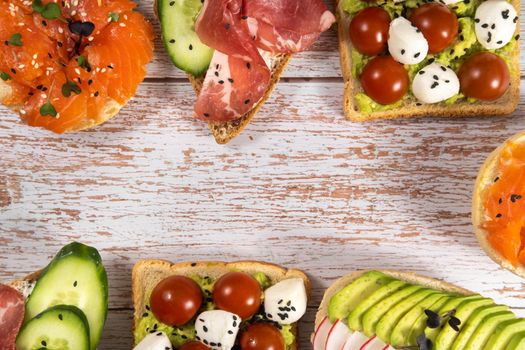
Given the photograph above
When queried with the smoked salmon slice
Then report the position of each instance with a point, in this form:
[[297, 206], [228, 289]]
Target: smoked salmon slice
[[72, 64], [505, 205]]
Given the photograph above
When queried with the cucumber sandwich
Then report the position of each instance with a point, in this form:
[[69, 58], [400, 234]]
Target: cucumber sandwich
[[66, 303], [217, 305], [395, 310]]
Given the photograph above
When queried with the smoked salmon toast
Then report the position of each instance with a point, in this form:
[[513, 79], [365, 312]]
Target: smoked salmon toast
[[498, 206], [73, 64]]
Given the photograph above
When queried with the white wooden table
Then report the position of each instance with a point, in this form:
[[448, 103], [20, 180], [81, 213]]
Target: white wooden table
[[301, 187]]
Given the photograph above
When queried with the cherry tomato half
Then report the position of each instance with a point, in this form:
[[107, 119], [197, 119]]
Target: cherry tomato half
[[194, 345], [237, 292], [176, 300], [262, 336], [384, 80], [438, 24], [484, 76], [369, 30]]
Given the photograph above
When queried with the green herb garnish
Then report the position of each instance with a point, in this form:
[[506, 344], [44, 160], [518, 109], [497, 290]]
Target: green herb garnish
[[15, 39], [114, 16], [83, 62], [49, 11], [70, 87], [48, 109], [4, 76]]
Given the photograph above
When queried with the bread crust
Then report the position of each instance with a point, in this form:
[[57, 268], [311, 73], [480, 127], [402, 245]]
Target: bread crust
[[485, 178], [146, 274], [503, 106], [409, 277], [225, 132], [110, 109]]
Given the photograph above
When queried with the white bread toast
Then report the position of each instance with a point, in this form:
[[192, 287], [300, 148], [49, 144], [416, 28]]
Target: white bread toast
[[485, 178], [25, 285], [410, 108], [147, 274], [225, 132], [110, 109], [409, 277]]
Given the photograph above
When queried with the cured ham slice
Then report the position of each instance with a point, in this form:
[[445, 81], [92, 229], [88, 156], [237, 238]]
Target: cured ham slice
[[11, 316], [239, 31]]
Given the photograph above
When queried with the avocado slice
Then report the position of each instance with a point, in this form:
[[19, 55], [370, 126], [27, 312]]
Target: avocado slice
[[401, 332], [389, 320], [517, 342], [76, 277], [418, 327], [374, 314], [486, 328], [504, 333], [344, 301], [452, 304], [473, 323], [448, 335], [355, 319]]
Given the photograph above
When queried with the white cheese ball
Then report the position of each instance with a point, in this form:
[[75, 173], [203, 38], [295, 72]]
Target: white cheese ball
[[435, 83], [496, 22], [406, 43], [285, 302], [217, 329]]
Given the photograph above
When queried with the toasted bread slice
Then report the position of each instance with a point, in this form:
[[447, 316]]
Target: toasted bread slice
[[409, 277], [486, 176], [110, 109], [225, 132], [147, 274], [25, 285], [410, 108]]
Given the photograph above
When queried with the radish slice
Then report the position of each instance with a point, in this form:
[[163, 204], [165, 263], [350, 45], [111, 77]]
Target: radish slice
[[374, 343], [337, 336], [321, 334], [356, 341]]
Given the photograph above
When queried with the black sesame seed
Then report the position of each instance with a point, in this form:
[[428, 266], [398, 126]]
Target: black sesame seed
[[96, 94], [421, 72], [498, 215], [515, 19], [44, 23], [227, 26], [435, 77], [500, 200], [417, 55], [418, 104], [493, 26], [216, 74], [205, 329], [59, 43], [206, 115], [191, 47], [517, 37], [145, 314], [172, 41], [247, 101], [496, 179], [244, 17], [434, 85], [452, 51], [443, 68], [43, 342], [499, 42], [477, 20], [447, 81], [13, 70], [248, 65], [75, 284], [60, 317], [461, 37], [230, 80], [110, 66], [172, 3], [193, 264], [402, 51], [90, 82], [485, 25], [221, 81]]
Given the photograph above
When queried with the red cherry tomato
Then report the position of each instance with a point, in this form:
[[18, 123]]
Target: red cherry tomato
[[176, 300], [262, 336], [384, 80], [369, 30], [438, 24], [484, 76], [237, 292], [194, 345]]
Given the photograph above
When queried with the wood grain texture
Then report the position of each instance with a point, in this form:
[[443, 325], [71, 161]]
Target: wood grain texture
[[301, 187]]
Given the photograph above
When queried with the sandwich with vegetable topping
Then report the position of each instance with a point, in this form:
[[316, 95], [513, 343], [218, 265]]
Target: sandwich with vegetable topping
[[217, 306], [387, 310], [417, 57]]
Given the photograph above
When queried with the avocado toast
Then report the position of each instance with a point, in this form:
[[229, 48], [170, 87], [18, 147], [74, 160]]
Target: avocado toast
[[148, 275], [397, 310], [359, 106]]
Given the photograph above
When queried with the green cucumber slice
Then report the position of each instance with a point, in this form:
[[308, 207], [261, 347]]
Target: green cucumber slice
[[74, 277], [60, 327], [177, 21]]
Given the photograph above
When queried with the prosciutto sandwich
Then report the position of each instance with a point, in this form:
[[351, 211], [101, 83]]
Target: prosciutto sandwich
[[235, 51]]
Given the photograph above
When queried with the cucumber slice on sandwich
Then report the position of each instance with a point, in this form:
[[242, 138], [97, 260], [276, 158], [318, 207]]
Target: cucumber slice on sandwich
[[74, 277], [177, 20], [60, 327]]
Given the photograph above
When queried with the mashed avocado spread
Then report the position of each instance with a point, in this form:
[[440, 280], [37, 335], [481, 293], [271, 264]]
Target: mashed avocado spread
[[181, 335], [465, 45]]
